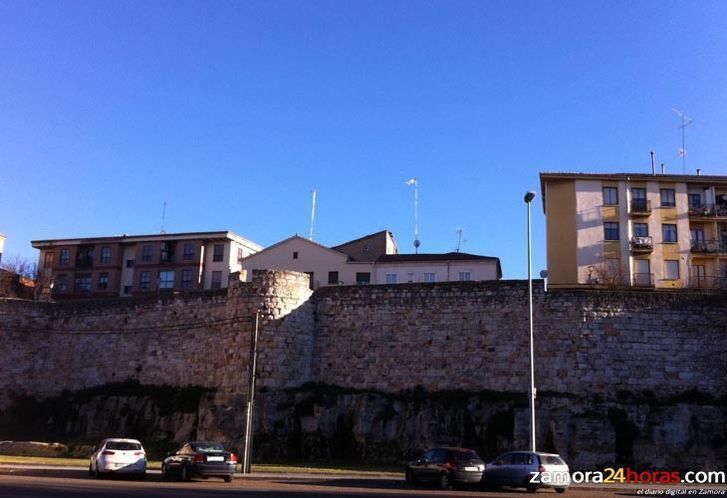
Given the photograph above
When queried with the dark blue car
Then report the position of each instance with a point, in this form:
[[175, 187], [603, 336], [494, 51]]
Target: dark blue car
[[200, 459]]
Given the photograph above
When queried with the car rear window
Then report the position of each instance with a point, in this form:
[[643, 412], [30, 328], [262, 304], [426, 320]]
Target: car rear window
[[122, 446], [207, 447], [465, 455], [551, 460]]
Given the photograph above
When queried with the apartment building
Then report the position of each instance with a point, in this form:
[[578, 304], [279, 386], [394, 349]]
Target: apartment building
[[140, 264], [639, 230], [372, 259]]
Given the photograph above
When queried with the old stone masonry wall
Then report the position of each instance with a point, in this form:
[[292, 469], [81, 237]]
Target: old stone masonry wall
[[375, 372], [474, 336]]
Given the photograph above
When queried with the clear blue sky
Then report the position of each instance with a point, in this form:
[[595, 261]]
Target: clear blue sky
[[233, 111]]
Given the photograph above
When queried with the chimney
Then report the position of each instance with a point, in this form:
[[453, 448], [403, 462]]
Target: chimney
[[653, 165], [699, 171], [663, 168]]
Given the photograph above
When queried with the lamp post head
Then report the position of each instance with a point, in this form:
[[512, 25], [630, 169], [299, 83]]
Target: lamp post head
[[529, 196]]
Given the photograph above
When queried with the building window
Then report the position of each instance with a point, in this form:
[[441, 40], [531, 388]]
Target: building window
[[410, 277], [391, 278], [641, 229], [188, 251], [216, 280], [464, 275], [65, 257], [671, 269], [186, 279], [167, 252], [103, 281], [311, 279], [363, 278], [695, 201], [61, 283], [610, 230], [129, 263], [610, 196], [85, 255], [295, 254], [105, 255], [146, 253], [333, 278], [145, 280], [667, 197], [669, 233], [127, 289], [48, 259], [166, 279], [82, 283], [218, 252], [429, 278]]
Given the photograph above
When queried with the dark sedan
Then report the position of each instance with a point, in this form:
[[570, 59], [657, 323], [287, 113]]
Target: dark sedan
[[200, 459], [446, 467]]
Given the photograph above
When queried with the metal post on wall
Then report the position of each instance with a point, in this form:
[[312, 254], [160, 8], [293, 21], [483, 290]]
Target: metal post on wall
[[247, 456]]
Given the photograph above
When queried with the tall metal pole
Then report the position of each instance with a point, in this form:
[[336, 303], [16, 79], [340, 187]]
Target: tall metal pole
[[528, 199], [312, 214], [415, 182], [246, 460]]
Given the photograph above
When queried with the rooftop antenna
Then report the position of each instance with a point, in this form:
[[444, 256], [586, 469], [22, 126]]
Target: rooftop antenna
[[312, 214], [164, 215], [417, 243], [459, 237], [686, 121]]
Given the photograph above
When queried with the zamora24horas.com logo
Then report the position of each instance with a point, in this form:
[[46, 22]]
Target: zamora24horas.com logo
[[626, 475]]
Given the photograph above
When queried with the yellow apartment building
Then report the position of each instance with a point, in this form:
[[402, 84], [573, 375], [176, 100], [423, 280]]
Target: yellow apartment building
[[638, 230]]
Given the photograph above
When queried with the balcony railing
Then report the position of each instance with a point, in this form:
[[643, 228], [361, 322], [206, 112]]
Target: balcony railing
[[702, 210], [643, 280], [714, 283], [642, 244], [705, 246], [640, 207]]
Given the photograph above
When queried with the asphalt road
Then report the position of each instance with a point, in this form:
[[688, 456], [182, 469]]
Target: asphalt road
[[41, 483]]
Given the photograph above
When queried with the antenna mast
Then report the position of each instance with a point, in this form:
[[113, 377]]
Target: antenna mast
[[164, 215], [459, 237], [417, 243], [312, 214], [686, 121]]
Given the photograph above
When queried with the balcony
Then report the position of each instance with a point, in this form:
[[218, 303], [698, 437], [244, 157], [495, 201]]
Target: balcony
[[640, 207], [706, 246], [703, 210], [708, 283], [643, 280], [642, 244]]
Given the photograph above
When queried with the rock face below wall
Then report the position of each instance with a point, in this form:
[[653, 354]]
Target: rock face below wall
[[330, 424]]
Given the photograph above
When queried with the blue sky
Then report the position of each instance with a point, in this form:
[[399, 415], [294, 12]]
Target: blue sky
[[232, 112]]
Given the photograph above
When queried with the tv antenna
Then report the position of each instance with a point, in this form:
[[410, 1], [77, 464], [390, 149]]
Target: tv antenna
[[164, 215], [312, 213], [459, 238], [686, 121], [417, 243]]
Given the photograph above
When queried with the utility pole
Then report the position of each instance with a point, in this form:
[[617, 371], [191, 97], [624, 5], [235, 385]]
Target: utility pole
[[247, 455]]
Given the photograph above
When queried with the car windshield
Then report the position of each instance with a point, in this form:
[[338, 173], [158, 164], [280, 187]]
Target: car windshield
[[207, 447], [122, 446], [465, 455]]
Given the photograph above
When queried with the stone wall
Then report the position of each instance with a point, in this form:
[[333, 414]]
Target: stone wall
[[611, 367], [474, 336]]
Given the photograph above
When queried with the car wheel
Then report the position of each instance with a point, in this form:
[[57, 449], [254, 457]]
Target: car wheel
[[141, 476], [165, 474], [445, 482], [99, 474], [560, 490], [410, 479], [531, 489], [228, 478], [90, 470], [184, 474]]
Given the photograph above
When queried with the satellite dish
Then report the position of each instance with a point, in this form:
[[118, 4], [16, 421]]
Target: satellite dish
[[543, 273]]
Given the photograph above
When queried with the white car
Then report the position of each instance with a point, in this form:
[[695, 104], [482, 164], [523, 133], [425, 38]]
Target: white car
[[118, 456]]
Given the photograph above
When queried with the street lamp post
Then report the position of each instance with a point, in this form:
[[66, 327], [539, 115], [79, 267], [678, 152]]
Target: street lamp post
[[529, 196]]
